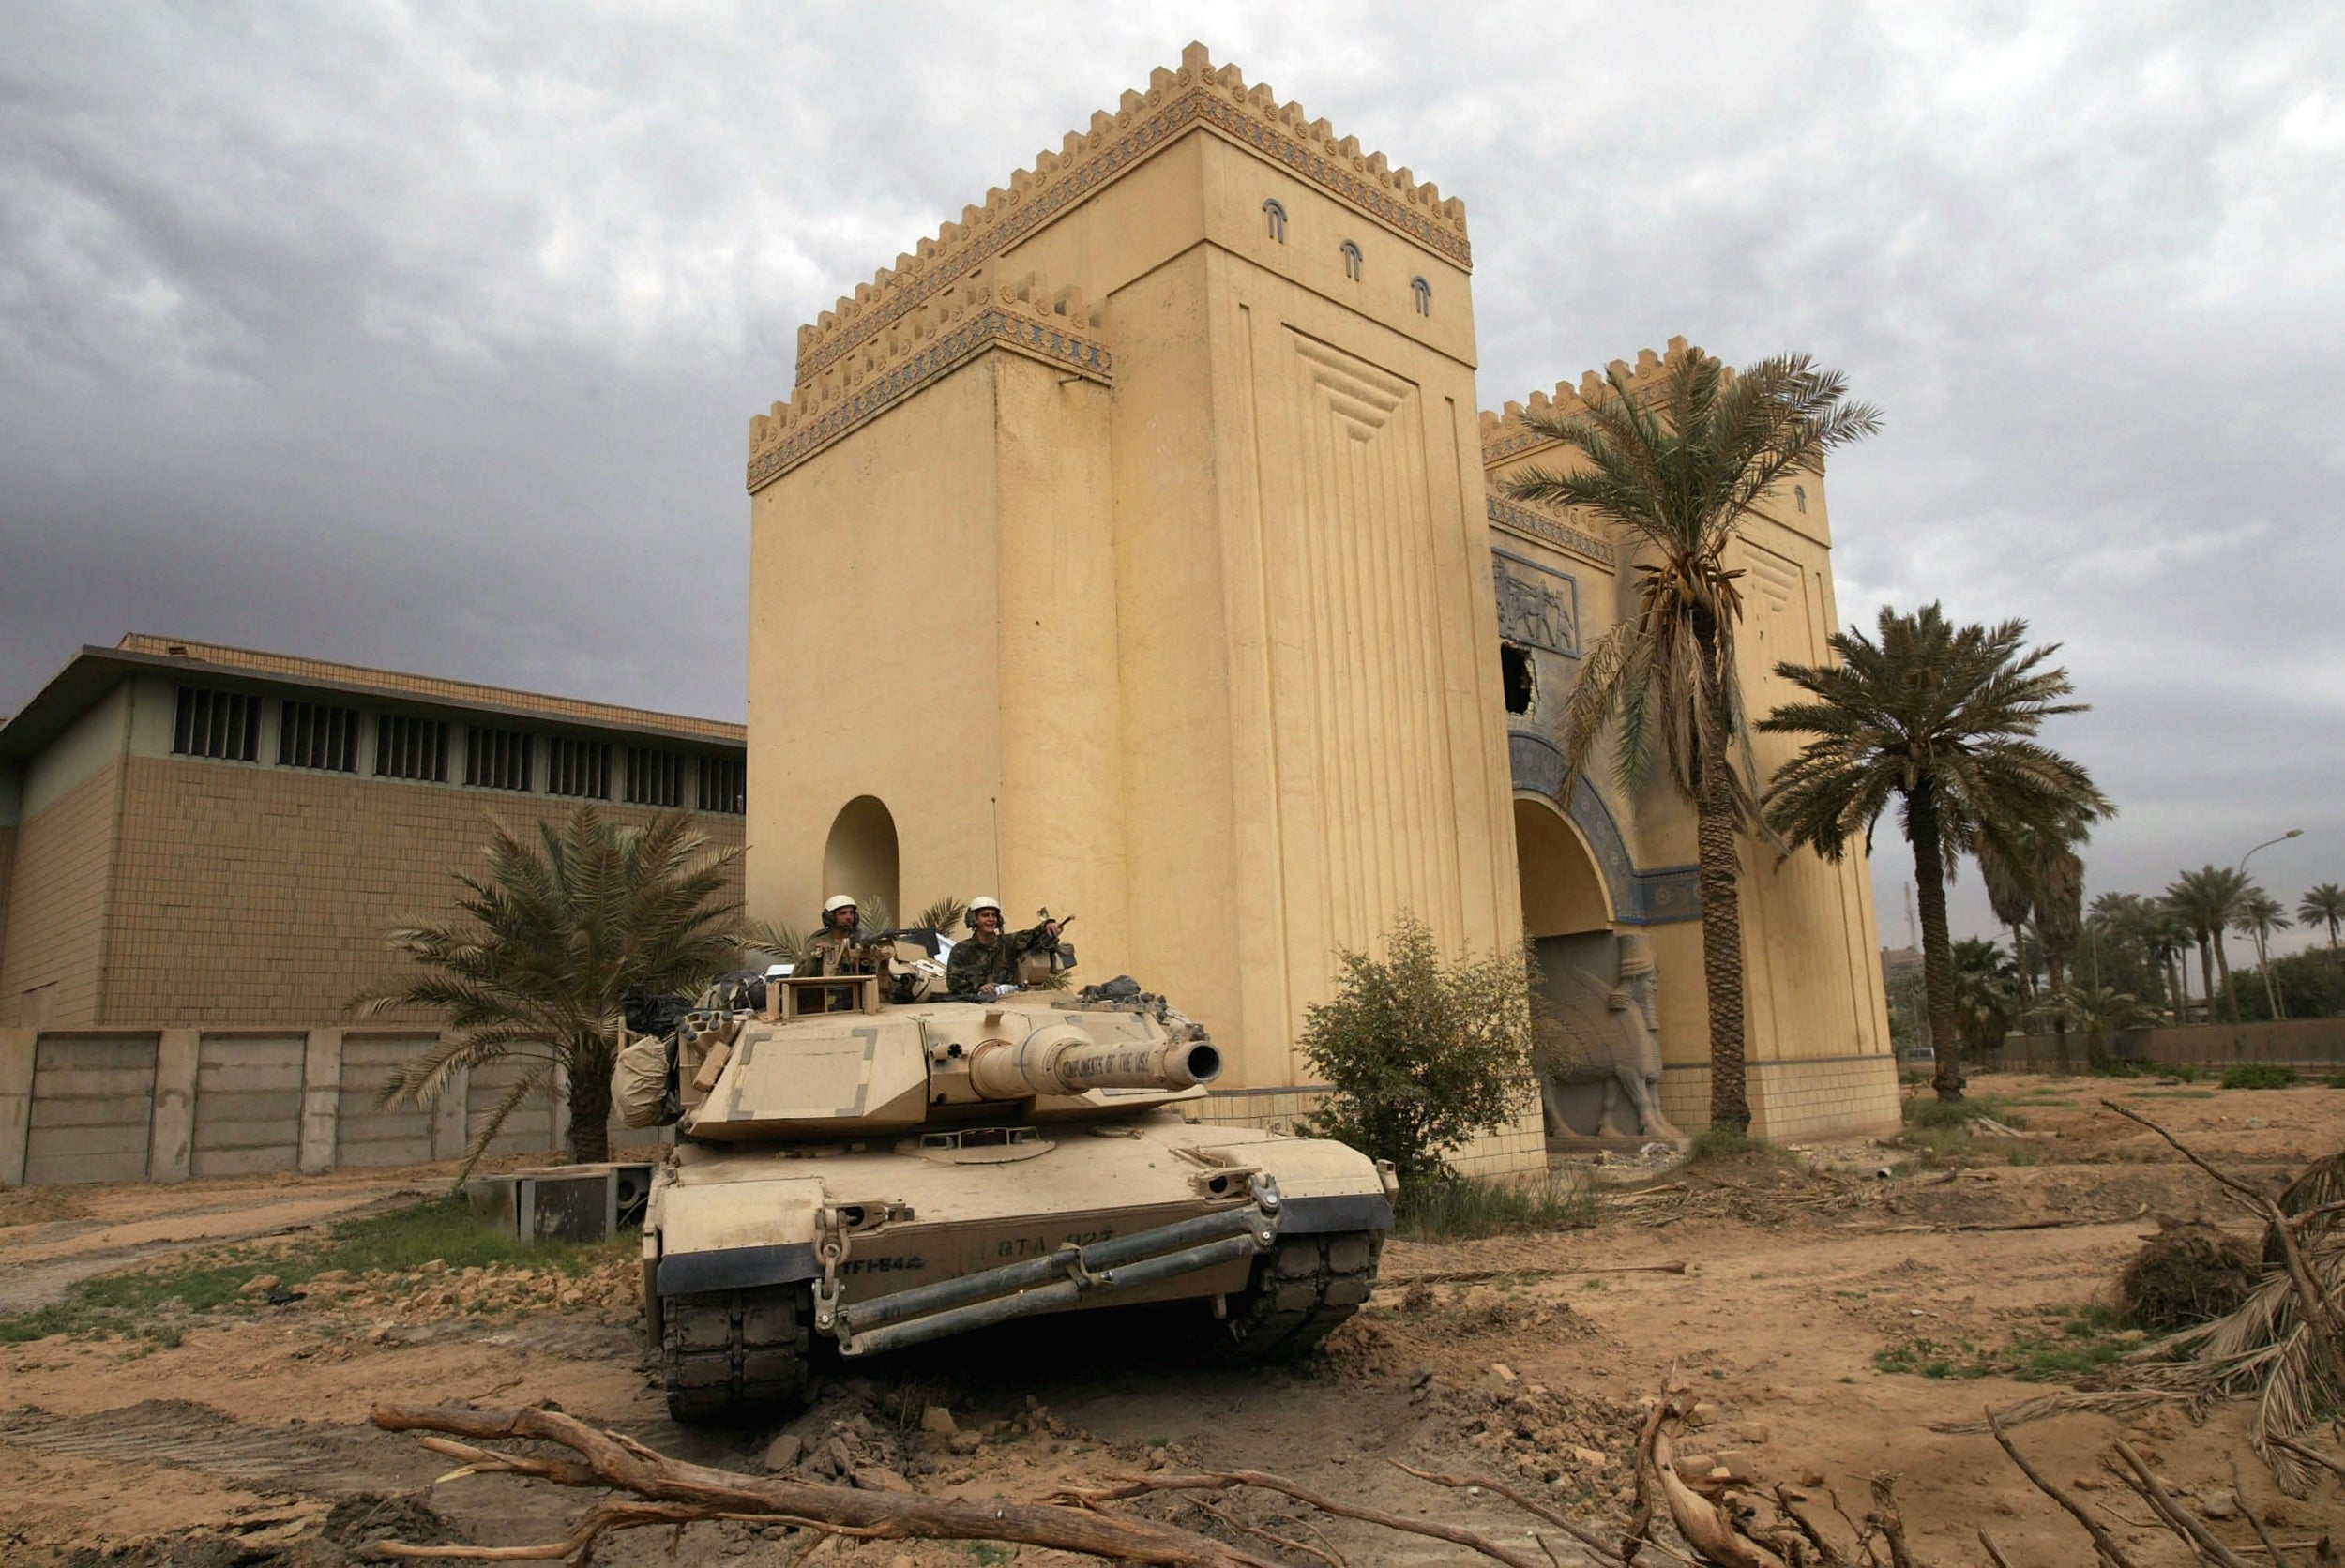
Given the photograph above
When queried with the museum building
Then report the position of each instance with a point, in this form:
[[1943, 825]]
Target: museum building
[[1166, 460], [1161, 476], [200, 850]]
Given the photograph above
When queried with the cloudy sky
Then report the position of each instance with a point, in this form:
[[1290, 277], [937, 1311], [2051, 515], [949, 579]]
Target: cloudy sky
[[427, 336]]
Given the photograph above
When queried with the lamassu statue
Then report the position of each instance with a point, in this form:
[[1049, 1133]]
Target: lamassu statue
[[1607, 1082]]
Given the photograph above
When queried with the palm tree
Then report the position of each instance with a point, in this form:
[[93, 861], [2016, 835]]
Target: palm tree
[[546, 944], [1676, 470], [2101, 1008], [2324, 906], [2014, 903], [1940, 717], [2044, 862], [2167, 937], [2260, 914], [2207, 899], [1987, 994]]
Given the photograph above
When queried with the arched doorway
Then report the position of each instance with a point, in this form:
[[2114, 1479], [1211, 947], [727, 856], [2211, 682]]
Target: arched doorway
[[859, 857], [1563, 892]]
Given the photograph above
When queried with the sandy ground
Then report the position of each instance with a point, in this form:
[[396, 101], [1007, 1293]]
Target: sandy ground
[[250, 1432]]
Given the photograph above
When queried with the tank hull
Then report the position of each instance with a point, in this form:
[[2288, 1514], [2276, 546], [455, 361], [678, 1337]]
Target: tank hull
[[863, 1181]]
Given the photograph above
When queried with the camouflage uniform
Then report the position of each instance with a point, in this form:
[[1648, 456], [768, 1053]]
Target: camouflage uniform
[[976, 966], [833, 952]]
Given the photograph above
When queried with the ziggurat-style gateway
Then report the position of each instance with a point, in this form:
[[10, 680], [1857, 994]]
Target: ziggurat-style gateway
[[1160, 475]]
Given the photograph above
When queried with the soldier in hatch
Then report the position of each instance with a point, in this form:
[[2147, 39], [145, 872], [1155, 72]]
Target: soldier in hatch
[[841, 948], [984, 963]]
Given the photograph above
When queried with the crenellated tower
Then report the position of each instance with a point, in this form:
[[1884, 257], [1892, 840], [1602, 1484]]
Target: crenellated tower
[[1128, 546], [1121, 549]]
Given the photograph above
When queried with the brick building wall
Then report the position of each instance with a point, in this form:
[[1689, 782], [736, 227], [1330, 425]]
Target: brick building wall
[[57, 895], [7, 867], [258, 895]]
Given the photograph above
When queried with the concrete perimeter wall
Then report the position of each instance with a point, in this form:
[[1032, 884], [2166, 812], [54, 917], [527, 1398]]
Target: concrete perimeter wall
[[2307, 1042], [164, 1105]]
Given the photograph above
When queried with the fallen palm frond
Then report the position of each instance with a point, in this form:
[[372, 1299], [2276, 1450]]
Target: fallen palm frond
[[2283, 1345], [2112, 1403]]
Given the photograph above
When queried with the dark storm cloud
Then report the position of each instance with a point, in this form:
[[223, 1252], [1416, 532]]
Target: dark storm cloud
[[427, 337]]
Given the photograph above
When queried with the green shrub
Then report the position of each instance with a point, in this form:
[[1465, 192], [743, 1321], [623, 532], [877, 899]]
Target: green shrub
[[1925, 1112], [1717, 1145], [1930, 1111], [2258, 1074], [1421, 1055]]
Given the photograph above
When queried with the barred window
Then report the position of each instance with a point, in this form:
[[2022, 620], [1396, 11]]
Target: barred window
[[724, 784], [411, 748], [1275, 213], [221, 724], [575, 767], [317, 736], [1352, 264], [496, 758], [1424, 294], [654, 777]]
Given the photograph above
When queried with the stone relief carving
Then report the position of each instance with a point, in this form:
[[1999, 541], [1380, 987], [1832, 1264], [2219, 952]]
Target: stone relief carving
[[1611, 1087], [1538, 607]]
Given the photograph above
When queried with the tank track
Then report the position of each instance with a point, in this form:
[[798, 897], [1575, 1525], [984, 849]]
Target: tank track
[[733, 1353], [1302, 1289]]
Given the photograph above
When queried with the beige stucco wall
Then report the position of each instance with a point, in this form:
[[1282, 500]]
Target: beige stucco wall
[[1210, 646], [1190, 629]]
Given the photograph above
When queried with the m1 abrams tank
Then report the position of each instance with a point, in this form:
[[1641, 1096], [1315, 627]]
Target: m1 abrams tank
[[879, 1176]]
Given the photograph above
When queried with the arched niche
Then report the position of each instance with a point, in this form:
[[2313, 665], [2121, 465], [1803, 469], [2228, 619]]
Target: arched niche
[[1562, 891], [859, 857]]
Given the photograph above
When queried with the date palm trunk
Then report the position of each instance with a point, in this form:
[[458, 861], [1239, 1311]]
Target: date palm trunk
[[1719, 858], [2056, 988], [589, 1091], [2264, 966], [2231, 993], [1924, 831], [2206, 976]]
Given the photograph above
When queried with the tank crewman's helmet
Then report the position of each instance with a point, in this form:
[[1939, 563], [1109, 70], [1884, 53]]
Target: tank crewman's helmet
[[977, 904], [833, 904]]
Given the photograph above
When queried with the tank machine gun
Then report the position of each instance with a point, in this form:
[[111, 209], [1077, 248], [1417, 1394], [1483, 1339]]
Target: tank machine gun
[[878, 1176]]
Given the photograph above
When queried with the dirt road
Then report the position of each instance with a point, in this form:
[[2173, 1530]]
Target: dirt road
[[1812, 1311]]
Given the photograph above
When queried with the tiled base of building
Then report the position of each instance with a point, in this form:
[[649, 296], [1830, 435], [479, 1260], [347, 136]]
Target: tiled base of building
[[1830, 1096]]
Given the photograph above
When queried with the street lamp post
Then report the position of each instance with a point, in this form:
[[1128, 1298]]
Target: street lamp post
[[2263, 956], [2241, 868]]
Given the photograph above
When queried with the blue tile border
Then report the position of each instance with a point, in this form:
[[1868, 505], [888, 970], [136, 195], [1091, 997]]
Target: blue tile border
[[1662, 896]]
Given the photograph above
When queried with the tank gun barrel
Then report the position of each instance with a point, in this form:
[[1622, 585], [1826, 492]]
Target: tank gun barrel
[[1059, 1060]]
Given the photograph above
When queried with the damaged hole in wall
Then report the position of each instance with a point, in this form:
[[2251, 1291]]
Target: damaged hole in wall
[[1519, 677]]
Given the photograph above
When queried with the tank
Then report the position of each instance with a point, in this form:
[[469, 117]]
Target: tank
[[853, 1175]]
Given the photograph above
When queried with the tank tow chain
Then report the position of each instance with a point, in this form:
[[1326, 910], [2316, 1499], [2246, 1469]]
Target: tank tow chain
[[1046, 1284], [831, 1245]]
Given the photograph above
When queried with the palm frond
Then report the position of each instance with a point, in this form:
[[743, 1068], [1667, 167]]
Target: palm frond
[[494, 1124]]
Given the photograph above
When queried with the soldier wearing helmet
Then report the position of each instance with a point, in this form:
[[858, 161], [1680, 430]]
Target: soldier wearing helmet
[[841, 946], [984, 963]]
